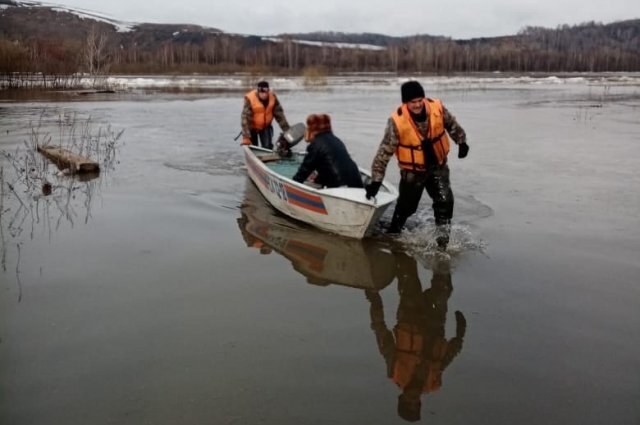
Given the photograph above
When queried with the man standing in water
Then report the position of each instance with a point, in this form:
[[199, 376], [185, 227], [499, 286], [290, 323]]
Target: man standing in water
[[416, 133], [261, 106]]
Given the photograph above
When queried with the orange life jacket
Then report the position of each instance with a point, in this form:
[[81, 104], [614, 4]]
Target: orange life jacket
[[409, 152], [409, 355], [409, 342], [262, 116]]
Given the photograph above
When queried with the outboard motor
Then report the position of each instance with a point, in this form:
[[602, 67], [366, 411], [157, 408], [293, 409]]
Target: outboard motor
[[289, 139]]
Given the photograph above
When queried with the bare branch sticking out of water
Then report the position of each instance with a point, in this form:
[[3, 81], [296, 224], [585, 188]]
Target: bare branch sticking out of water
[[13, 190], [18, 275], [2, 240], [38, 193], [33, 173]]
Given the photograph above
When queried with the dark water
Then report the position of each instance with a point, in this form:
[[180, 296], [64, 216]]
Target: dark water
[[166, 291]]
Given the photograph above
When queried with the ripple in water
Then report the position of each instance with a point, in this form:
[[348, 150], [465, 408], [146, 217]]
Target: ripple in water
[[418, 238], [222, 164]]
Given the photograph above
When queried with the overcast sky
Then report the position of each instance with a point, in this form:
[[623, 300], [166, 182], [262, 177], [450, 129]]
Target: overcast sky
[[453, 18]]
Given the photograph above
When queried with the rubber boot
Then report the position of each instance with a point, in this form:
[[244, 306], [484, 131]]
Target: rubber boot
[[397, 223], [442, 242], [442, 236]]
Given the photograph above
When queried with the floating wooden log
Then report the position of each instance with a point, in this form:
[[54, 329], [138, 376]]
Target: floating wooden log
[[64, 158], [85, 93]]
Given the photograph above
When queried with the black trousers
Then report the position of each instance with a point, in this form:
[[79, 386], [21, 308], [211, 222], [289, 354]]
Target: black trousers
[[265, 136], [436, 182]]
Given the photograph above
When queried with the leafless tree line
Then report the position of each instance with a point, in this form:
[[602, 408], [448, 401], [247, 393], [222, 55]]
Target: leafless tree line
[[589, 47]]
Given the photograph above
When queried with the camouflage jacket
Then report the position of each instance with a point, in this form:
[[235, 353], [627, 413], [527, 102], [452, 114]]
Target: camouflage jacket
[[389, 142], [247, 116]]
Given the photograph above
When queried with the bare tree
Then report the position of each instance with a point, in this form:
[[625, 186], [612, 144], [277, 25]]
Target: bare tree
[[95, 52]]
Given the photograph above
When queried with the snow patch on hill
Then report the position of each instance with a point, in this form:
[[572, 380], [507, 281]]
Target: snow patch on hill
[[81, 13], [328, 44]]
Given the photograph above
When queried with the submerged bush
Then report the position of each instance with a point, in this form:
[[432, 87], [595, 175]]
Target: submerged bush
[[314, 76]]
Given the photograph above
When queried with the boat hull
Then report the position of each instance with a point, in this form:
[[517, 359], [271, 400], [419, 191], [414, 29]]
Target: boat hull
[[344, 211]]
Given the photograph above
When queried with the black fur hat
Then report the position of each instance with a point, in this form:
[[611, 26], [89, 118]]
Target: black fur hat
[[411, 90]]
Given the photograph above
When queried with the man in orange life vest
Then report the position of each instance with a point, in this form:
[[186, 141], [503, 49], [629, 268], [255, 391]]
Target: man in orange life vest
[[416, 352], [261, 106], [417, 134]]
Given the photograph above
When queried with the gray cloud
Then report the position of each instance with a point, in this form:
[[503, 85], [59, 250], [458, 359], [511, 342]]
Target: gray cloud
[[454, 18]]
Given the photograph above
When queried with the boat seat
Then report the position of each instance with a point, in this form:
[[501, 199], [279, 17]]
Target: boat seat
[[269, 157]]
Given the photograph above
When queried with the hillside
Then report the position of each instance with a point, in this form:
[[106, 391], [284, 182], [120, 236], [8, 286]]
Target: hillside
[[59, 40]]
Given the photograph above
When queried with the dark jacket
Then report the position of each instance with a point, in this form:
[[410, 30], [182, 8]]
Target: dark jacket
[[327, 155]]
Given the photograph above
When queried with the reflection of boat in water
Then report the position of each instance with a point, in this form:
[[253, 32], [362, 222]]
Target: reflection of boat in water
[[322, 257], [341, 210], [414, 345]]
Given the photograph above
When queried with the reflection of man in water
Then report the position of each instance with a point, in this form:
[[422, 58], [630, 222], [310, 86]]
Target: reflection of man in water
[[417, 351]]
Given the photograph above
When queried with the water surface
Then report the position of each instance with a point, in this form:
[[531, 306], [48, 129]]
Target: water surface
[[167, 291]]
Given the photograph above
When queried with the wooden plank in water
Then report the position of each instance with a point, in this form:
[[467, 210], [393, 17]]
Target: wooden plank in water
[[64, 158]]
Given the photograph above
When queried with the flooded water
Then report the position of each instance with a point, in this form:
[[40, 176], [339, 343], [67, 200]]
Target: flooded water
[[166, 291]]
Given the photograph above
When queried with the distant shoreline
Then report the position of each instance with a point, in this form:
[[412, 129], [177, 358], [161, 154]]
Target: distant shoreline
[[35, 86], [102, 82]]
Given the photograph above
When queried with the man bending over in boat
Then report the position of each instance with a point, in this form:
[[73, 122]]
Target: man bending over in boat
[[327, 155], [261, 106]]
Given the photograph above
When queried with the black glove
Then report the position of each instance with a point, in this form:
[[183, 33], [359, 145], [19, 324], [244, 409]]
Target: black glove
[[372, 189], [463, 150]]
